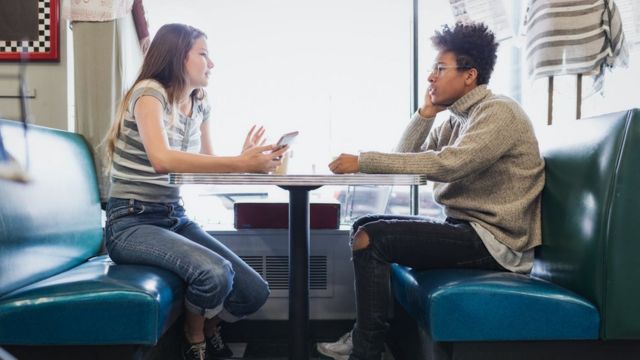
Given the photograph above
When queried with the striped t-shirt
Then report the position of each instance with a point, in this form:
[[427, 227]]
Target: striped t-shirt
[[132, 175]]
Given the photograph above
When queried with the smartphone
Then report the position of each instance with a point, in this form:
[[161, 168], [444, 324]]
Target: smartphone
[[286, 139]]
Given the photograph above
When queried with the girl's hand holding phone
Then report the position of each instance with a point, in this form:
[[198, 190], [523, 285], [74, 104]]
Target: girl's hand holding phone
[[263, 159]]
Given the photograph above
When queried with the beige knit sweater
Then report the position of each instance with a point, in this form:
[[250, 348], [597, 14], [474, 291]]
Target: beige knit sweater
[[484, 161]]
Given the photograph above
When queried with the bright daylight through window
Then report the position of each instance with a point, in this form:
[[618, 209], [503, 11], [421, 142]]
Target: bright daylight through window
[[336, 71], [339, 72]]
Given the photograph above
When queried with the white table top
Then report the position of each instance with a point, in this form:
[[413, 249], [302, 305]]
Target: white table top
[[295, 180]]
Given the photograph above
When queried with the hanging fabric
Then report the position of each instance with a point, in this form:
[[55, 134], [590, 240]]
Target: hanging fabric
[[578, 37], [630, 14], [489, 12], [99, 10], [107, 56]]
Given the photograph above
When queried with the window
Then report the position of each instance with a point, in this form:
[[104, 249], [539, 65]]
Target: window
[[533, 94], [510, 77], [614, 96], [339, 72]]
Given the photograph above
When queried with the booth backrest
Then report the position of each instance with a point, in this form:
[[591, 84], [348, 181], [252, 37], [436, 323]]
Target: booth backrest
[[52, 222], [591, 216]]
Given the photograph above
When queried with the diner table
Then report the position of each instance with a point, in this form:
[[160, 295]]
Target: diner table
[[298, 187]]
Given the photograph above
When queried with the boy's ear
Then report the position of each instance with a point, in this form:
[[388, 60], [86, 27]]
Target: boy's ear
[[472, 76]]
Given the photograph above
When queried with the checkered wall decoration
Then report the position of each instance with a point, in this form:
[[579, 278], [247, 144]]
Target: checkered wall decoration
[[45, 47]]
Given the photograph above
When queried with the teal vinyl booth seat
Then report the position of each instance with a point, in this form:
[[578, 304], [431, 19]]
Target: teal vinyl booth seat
[[55, 288], [582, 299]]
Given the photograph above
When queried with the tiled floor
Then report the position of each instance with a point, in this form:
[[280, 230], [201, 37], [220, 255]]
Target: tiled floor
[[274, 352], [264, 351]]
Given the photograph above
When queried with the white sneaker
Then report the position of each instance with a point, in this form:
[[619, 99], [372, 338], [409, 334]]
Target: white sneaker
[[339, 350]]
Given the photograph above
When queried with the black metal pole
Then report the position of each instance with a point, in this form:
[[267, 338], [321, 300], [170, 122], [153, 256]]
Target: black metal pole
[[299, 235], [550, 101], [414, 201], [415, 98], [578, 96]]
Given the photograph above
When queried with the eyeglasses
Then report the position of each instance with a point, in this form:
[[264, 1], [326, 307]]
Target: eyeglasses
[[438, 69]]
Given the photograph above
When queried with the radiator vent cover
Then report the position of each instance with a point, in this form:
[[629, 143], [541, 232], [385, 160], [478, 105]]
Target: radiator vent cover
[[256, 262], [275, 269]]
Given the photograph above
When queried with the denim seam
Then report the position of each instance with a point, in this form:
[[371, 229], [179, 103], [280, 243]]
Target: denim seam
[[227, 316], [117, 213], [207, 313], [409, 233]]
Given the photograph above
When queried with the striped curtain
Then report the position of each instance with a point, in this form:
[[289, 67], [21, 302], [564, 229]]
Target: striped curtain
[[573, 37]]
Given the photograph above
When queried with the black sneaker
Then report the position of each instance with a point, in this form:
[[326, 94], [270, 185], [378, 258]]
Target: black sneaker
[[216, 348], [197, 351]]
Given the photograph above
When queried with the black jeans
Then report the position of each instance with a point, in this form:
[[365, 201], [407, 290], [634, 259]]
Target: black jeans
[[418, 242]]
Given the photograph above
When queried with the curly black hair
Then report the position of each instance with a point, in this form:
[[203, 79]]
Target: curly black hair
[[473, 44]]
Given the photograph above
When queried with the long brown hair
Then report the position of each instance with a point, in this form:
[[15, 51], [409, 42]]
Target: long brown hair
[[164, 62]]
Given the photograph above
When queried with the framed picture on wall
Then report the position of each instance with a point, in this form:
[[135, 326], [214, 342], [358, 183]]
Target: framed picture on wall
[[29, 26]]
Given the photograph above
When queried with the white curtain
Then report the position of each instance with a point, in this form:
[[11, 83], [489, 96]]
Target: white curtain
[[107, 58]]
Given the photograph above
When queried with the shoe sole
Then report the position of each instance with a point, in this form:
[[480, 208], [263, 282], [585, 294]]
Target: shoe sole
[[332, 355]]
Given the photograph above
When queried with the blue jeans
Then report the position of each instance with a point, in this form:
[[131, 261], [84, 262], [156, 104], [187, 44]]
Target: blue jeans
[[418, 242], [159, 234]]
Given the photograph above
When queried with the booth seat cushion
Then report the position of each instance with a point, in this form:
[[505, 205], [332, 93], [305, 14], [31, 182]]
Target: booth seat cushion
[[473, 305], [93, 303]]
